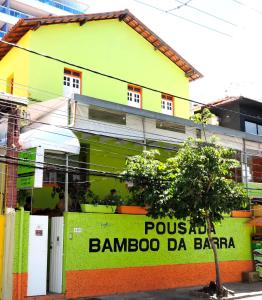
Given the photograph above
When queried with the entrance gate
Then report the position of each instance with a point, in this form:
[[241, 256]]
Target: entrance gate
[[56, 255], [37, 255]]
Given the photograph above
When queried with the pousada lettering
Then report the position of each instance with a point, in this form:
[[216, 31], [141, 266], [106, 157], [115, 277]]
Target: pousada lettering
[[174, 228]]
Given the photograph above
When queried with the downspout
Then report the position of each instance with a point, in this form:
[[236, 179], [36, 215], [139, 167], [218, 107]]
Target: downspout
[[20, 253], [144, 133], [66, 184], [245, 164], [71, 121]]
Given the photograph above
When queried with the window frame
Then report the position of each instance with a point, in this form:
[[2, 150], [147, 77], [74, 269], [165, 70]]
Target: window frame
[[71, 74], [131, 88], [256, 127], [167, 98]]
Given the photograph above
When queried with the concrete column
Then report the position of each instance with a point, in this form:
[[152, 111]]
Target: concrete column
[[12, 156]]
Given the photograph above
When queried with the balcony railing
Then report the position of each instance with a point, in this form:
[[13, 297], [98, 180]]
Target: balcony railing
[[13, 12], [61, 6], [2, 33]]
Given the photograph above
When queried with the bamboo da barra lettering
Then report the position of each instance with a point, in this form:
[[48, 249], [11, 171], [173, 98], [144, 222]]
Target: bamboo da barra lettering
[[115, 244]]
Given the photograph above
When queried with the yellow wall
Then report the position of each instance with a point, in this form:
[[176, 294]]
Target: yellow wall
[[2, 222], [15, 65]]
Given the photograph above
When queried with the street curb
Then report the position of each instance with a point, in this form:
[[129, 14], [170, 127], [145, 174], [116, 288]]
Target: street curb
[[246, 295]]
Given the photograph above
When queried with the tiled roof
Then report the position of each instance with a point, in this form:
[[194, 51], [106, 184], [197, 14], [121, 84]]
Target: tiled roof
[[24, 25], [222, 101]]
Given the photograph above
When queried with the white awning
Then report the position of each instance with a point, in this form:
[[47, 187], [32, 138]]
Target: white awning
[[50, 137]]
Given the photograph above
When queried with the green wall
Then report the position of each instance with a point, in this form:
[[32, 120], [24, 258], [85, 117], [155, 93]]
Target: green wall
[[109, 155], [18, 251], [111, 47], [81, 227], [255, 189], [103, 154]]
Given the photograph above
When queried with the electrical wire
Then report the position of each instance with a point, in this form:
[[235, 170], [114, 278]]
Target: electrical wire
[[203, 12], [250, 7], [179, 6], [183, 18]]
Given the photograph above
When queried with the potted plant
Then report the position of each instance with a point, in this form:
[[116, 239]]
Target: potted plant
[[242, 212], [135, 204], [92, 204]]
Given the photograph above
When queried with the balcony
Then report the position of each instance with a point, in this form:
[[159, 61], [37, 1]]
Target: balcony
[[61, 6], [13, 12]]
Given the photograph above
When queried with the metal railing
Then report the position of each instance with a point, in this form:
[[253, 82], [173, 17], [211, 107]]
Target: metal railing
[[61, 6], [13, 12]]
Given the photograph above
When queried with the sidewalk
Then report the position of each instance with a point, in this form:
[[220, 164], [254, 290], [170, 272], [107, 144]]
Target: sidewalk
[[242, 290]]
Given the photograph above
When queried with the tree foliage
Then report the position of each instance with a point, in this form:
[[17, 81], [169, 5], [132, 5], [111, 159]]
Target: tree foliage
[[202, 185], [193, 184]]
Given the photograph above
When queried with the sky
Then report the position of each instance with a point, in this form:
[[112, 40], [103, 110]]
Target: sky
[[225, 47]]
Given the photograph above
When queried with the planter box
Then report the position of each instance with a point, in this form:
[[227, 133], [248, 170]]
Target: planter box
[[105, 209], [241, 214], [132, 210]]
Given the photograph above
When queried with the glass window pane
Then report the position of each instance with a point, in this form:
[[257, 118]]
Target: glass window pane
[[251, 127], [259, 129]]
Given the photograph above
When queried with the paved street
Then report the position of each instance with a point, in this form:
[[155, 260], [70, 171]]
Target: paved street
[[248, 291]]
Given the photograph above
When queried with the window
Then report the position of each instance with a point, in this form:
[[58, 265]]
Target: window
[[107, 116], [253, 128], [167, 105], [72, 83], [134, 95], [170, 126]]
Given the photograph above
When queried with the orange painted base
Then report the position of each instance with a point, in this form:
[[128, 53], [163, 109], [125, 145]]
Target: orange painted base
[[20, 290], [114, 281], [19, 285]]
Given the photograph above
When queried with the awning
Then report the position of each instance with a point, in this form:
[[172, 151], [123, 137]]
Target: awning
[[50, 137]]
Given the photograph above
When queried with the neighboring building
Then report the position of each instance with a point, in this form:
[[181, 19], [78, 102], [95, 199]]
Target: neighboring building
[[13, 10], [238, 113], [115, 43], [243, 114]]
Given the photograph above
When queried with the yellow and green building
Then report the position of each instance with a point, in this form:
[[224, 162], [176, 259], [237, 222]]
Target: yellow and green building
[[122, 89]]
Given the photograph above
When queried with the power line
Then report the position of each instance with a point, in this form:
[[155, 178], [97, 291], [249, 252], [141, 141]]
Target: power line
[[119, 138], [120, 79], [179, 6], [183, 18], [206, 13], [72, 169], [250, 7]]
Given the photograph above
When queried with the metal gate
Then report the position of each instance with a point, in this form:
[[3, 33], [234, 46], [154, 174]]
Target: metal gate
[[56, 255], [37, 255]]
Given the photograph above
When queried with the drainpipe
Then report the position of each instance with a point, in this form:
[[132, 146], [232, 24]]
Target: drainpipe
[[66, 184], [20, 253], [144, 133], [245, 164]]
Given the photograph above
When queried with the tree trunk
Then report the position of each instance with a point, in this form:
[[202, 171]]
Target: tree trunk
[[218, 277]]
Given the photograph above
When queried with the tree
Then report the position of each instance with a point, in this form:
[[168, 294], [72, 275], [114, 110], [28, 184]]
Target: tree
[[195, 184]]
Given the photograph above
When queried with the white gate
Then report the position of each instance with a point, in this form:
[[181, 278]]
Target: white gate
[[37, 255], [56, 255]]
